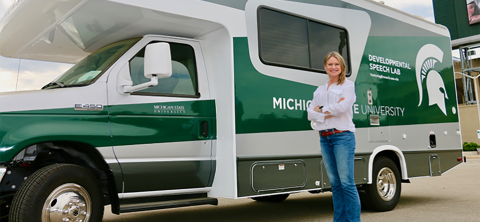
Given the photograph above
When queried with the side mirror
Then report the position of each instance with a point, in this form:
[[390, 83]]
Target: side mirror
[[158, 60], [157, 64]]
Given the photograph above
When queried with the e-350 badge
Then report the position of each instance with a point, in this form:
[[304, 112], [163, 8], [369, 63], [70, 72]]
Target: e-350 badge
[[88, 107]]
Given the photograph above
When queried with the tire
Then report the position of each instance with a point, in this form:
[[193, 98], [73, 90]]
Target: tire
[[384, 192], [272, 199], [56, 192]]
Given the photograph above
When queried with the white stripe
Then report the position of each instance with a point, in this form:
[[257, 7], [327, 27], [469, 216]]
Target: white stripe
[[163, 193], [189, 150], [109, 161], [149, 160]]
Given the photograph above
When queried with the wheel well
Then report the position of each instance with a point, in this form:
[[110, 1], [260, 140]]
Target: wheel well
[[393, 156], [40, 155], [77, 153]]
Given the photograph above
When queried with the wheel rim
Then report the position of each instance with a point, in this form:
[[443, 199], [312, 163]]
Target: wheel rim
[[386, 184], [69, 202]]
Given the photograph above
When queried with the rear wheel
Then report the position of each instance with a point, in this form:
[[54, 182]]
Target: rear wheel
[[384, 192], [59, 192], [273, 198]]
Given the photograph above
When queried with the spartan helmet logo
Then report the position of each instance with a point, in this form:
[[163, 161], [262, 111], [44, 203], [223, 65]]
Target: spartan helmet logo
[[427, 56]]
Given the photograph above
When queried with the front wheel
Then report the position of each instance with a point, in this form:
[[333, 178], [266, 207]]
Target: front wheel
[[384, 192], [59, 192]]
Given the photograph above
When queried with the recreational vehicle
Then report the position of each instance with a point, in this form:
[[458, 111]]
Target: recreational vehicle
[[176, 103]]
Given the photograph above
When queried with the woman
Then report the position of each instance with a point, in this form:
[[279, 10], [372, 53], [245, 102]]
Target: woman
[[331, 109]]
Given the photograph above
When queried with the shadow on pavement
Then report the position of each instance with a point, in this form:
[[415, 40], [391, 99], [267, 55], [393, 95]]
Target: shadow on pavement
[[303, 208]]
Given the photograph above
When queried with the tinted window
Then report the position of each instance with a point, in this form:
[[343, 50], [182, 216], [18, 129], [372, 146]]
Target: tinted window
[[283, 39], [183, 80], [325, 39], [292, 41]]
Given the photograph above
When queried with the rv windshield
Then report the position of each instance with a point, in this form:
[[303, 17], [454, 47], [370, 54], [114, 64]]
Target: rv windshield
[[91, 67]]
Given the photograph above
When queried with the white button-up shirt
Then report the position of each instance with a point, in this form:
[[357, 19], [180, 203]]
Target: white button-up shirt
[[342, 111]]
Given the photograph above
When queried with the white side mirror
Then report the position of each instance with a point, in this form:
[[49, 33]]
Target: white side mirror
[[157, 65], [158, 60]]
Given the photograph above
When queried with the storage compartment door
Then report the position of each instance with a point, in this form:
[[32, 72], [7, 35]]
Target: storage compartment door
[[278, 175]]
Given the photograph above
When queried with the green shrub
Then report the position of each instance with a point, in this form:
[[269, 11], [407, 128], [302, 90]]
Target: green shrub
[[470, 146]]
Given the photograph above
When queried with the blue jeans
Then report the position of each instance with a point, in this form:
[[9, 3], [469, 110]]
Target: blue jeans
[[338, 152]]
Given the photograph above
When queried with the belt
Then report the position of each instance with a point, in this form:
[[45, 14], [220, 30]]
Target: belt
[[330, 132]]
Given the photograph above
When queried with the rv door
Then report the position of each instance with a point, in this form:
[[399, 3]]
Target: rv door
[[162, 134]]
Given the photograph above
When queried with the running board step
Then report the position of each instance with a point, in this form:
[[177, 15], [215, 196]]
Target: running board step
[[167, 204]]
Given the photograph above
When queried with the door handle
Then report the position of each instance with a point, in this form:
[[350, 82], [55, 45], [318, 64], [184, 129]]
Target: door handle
[[205, 129]]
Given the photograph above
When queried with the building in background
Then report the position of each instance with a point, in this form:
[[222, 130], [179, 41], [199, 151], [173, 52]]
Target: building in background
[[462, 18]]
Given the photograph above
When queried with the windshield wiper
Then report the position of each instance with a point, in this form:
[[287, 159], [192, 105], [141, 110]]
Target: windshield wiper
[[54, 84], [77, 85]]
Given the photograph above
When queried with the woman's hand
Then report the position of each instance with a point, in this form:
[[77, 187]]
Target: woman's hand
[[330, 116], [317, 109]]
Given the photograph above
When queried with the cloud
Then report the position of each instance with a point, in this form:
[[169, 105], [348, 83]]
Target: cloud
[[35, 74], [430, 18], [7, 81], [32, 74], [5, 4], [402, 4], [8, 74], [422, 8]]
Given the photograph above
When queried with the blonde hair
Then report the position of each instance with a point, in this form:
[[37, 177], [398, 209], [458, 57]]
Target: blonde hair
[[343, 74]]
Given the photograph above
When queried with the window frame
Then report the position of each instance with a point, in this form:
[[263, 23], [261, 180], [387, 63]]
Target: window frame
[[196, 89], [308, 20]]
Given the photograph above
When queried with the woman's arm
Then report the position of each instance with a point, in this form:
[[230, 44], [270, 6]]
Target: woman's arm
[[314, 113], [327, 112], [349, 97]]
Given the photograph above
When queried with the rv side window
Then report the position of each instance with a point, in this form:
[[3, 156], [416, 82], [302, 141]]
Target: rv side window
[[324, 39], [183, 81], [283, 39], [291, 41]]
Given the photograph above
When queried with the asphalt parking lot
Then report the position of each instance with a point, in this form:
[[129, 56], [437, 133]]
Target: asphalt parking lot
[[454, 196]]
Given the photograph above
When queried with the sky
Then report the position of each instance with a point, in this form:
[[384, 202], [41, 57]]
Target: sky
[[25, 74]]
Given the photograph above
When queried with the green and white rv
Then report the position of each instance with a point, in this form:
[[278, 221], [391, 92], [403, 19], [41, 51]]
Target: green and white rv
[[179, 102]]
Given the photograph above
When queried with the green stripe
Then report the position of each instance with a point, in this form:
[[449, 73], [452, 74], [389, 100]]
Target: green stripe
[[130, 124], [130, 130], [184, 108], [162, 122], [19, 131]]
